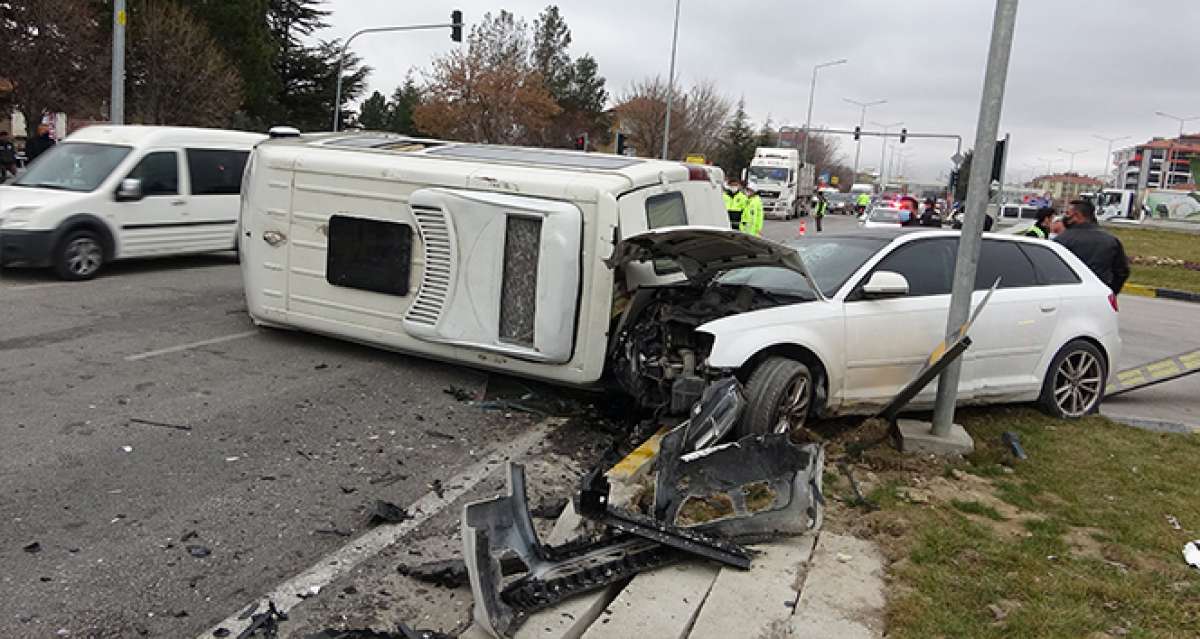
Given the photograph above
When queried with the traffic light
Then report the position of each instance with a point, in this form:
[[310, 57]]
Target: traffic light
[[456, 25], [903, 135], [953, 179], [998, 160], [581, 141], [857, 133]]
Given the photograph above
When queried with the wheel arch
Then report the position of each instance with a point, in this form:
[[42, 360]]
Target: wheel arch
[[800, 353], [90, 222]]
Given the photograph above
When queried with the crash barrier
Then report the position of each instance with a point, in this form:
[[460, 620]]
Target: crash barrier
[[1162, 293], [1156, 372]]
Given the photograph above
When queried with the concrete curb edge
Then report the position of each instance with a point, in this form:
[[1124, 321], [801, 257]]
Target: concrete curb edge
[[1163, 293]]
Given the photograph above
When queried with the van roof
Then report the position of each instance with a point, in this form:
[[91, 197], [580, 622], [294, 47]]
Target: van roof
[[139, 135]]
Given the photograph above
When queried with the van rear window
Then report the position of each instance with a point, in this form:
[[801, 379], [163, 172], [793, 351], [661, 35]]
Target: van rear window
[[665, 209], [371, 255]]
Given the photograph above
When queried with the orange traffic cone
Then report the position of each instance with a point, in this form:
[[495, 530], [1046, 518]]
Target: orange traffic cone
[[802, 229]]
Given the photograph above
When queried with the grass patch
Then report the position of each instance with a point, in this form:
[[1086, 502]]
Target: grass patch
[[1174, 277], [1090, 550], [1161, 243]]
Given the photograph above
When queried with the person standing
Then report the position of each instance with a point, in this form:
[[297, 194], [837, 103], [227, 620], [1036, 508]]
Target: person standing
[[864, 200], [820, 209], [1041, 228], [39, 144], [1099, 249], [735, 203], [752, 213], [8, 157]]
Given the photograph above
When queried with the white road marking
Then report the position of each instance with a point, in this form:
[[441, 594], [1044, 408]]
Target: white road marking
[[185, 347], [371, 543]]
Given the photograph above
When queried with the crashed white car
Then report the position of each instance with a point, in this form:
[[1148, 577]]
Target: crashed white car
[[837, 324]]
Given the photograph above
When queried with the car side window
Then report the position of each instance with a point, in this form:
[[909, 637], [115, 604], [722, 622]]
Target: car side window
[[1051, 269], [928, 265], [159, 173], [1003, 259], [216, 171]]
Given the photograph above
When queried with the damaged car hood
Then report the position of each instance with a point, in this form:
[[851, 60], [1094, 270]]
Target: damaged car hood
[[703, 252]]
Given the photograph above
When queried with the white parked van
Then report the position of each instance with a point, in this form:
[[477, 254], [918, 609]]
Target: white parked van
[[115, 192], [486, 255]]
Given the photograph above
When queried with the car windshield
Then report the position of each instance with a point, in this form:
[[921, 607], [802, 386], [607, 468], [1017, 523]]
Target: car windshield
[[881, 214], [830, 261], [73, 166], [769, 173]]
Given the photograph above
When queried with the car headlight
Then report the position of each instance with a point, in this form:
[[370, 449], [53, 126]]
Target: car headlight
[[17, 216]]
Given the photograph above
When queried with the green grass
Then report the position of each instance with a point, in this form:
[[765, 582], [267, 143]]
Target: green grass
[[1110, 484], [1160, 243], [1174, 277]]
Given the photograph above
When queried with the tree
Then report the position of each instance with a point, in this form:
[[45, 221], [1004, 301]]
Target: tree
[[577, 86], [373, 114], [551, 38], [767, 135], [697, 118], [176, 72], [489, 93], [736, 143], [964, 176], [54, 55], [243, 32], [405, 100]]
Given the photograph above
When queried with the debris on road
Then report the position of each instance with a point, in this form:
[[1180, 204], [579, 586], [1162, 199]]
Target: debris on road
[[264, 624], [404, 631], [1173, 522], [198, 551], [1013, 442], [31, 548], [385, 512], [150, 422], [128, 449], [1191, 553], [549, 508], [459, 393], [447, 573]]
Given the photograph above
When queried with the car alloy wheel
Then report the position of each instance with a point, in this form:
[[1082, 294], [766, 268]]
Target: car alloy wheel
[[1078, 383], [793, 404], [83, 257], [779, 397]]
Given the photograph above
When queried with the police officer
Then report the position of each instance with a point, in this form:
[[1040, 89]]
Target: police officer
[[864, 200], [820, 209], [752, 213], [735, 203], [1041, 228]]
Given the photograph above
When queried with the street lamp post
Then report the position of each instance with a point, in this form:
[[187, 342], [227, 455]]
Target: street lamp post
[[883, 150], [1072, 155], [861, 121], [1178, 119], [1108, 163], [671, 83], [455, 34], [1049, 163], [116, 103], [812, 91]]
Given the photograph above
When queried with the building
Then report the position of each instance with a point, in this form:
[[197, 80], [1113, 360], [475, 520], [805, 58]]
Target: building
[[1064, 187], [1161, 163]]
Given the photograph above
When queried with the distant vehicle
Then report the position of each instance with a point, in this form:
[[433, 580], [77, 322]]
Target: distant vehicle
[[1013, 215], [869, 189], [1135, 206], [775, 174], [842, 203], [114, 192], [883, 217]]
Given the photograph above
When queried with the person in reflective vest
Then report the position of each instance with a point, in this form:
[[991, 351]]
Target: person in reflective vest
[[752, 213], [1041, 228], [820, 209], [735, 203], [864, 200]]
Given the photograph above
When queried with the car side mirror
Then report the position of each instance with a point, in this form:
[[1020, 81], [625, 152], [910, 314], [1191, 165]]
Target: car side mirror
[[884, 284], [130, 190]]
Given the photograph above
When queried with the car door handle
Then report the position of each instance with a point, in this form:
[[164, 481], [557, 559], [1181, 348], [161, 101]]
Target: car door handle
[[1048, 308], [178, 202]]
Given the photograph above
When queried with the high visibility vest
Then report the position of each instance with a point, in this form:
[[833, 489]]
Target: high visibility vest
[[728, 200], [822, 208], [752, 216], [1035, 231], [864, 199], [739, 202]]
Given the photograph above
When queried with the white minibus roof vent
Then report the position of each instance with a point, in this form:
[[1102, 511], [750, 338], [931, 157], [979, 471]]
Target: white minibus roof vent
[[283, 132]]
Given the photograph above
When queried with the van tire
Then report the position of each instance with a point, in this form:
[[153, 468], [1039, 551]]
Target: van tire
[[79, 256], [767, 392]]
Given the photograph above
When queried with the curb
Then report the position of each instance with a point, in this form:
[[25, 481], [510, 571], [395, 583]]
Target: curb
[[1163, 293]]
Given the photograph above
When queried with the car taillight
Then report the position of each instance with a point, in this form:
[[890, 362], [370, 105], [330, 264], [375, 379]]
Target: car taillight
[[697, 174], [1112, 301]]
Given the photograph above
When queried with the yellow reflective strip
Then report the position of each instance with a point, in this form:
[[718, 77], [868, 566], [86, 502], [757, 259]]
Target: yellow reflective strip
[[1167, 366], [636, 460]]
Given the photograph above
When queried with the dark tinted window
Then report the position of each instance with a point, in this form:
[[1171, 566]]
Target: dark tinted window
[[666, 209], [369, 254], [216, 172], [159, 173], [1004, 260], [928, 265], [1051, 269]]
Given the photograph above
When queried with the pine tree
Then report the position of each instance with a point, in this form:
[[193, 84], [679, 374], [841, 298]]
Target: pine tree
[[404, 102], [373, 114], [737, 143], [551, 38], [242, 31]]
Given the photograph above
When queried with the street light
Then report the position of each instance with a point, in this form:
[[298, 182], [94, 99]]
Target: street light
[[812, 91], [671, 83], [883, 150], [861, 121], [1178, 119], [455, 25], [1049, 163], [1072, 154], [1108, 163]]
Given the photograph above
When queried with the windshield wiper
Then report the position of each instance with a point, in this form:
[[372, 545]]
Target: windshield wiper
[[43, 185]]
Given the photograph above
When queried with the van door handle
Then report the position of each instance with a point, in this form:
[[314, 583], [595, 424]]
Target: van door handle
[[178, 202], [1048, 308]]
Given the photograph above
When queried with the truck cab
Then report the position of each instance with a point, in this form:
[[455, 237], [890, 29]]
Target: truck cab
[[775, 175]]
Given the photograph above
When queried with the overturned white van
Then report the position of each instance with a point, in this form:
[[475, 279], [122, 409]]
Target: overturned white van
[[485, 255]]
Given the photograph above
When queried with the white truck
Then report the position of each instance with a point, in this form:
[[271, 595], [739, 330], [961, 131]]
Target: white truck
[[776, 175], [1135, 206]]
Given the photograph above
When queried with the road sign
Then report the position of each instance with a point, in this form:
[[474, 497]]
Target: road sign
[[833, 180]]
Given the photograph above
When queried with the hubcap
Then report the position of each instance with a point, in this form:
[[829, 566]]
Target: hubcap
[[793, 405], [1077, 384], [84, 256]]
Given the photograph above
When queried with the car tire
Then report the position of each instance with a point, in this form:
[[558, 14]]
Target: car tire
[[1074, 384], [79, 256], [772, 399]]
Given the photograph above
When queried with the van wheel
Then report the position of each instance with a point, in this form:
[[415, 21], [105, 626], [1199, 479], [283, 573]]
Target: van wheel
[[79, 256], [1074, 384], [779, 396]]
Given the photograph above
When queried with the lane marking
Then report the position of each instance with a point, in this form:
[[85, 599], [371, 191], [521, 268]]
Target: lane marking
[[184, 347], [374, 541]]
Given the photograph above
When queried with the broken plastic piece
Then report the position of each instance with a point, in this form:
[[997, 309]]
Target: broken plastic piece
[[385, 512], [715, 414], [1191, 553], [1013, 441]]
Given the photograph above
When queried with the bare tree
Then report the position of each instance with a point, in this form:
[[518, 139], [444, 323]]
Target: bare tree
[[697, 117], [178, 74]]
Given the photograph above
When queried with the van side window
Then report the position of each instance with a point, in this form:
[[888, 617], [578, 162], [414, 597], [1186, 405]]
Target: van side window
[[665, 209], [216, 171], [159, 173]]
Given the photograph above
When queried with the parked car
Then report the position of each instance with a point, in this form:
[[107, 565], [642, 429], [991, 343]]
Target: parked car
[[837, 324], [114, 192], [883, 217]]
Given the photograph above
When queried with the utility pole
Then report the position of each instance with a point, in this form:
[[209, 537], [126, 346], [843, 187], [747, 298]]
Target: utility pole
[[1072, 155], [971, 239], [812, 92], [671, 83], [1178, 119], [1049, 164], [861, 121], [883, 151], [116, 102], [1108, 163]]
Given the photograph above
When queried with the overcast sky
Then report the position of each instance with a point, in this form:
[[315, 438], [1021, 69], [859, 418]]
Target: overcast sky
[[1079, 67]]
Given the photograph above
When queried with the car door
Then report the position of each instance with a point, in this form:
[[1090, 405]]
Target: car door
[[889, 340], [157, 223], [215, 178]]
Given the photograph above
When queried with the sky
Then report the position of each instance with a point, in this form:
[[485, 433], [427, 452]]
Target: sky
[[1079, 68]]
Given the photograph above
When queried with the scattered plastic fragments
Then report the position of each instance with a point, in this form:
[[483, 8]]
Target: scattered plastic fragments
[[33, 547], [264, 624], [385, 512], [1013, 441], [1191, 553], [198, 551]]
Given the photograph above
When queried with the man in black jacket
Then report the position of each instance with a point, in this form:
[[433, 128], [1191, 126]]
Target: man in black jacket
[[1100, 250], [39, 144]]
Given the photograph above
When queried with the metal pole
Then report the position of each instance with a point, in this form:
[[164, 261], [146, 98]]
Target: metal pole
[[971, 240], [671, 83], [116, 103], [883, 151], [812, 92], [862, 120]]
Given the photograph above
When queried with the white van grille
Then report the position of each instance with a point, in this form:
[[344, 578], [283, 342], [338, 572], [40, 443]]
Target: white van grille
[[437, 276]]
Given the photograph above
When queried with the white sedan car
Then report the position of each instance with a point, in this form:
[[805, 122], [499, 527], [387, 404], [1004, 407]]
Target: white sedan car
[[837, 324], [883, 217]]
